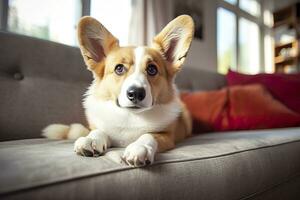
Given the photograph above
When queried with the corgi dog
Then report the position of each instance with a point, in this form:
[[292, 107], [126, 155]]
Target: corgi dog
[[132, 101]]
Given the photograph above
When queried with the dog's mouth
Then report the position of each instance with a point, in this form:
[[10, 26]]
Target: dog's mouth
[[131, 107], [134, 107]]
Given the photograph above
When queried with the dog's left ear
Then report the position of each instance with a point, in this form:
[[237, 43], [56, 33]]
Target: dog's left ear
[[95, 42], [174, 41]]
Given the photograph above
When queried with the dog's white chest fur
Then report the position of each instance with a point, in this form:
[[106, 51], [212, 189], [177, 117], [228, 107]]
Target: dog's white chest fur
[[124, 126]]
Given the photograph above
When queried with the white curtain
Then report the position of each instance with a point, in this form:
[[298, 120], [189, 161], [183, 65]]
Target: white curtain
[[148, 18]]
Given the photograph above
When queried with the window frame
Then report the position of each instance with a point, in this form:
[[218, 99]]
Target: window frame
[[3, 14], [263, 28]]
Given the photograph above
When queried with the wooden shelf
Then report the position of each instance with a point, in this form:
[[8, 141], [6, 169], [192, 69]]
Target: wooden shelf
[[280, 60], [288, 22], [285, 45], [288, 16], [285, 68]]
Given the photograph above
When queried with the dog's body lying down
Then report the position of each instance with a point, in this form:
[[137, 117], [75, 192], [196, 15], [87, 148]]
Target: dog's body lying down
[[132, 101]]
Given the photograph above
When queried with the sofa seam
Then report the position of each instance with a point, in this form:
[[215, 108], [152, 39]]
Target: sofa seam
[[270, 188]]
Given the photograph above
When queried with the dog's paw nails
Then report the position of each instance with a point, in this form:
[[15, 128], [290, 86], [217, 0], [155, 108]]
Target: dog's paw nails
[[90, 146], [137, 155], [82, 146], [96, 153], [147, 162], [87, 153]]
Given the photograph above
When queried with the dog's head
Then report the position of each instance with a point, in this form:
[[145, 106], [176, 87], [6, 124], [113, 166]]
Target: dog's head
[[135, 77]]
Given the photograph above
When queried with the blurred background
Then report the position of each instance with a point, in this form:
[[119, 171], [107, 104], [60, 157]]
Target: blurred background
[[249, 36]]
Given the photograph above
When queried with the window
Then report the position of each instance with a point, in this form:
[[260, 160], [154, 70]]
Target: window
[[118, 21], [250, 6], [231, 1], [47, 19], [244, 39], [56, 20], [249, 47], [226, 42]]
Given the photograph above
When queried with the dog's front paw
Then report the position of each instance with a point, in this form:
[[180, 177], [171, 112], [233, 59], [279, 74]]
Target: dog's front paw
[[139, 154], [92, 145]]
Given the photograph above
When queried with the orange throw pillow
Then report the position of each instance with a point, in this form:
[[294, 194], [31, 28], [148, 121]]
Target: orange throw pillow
[[238, 108]]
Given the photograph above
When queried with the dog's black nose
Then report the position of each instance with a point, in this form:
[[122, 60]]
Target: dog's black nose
[[136, 94]]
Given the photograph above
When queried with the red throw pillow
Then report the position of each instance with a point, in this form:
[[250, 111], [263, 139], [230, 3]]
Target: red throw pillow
[[205, 108], [284, 87], [238, 108]]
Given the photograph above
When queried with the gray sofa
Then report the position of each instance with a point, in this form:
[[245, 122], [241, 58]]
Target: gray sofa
[[43, 82]]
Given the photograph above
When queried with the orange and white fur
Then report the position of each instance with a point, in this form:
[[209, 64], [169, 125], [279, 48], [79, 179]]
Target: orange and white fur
[[132, 101]]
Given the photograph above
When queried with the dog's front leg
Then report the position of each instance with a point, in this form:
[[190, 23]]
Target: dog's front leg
[[94, 144], [143, 150]]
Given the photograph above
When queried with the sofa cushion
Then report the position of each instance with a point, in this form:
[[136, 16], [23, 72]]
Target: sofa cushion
[[234, 165]]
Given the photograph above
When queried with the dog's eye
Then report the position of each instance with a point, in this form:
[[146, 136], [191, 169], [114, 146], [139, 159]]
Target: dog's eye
[[120, 69], [151, 70]]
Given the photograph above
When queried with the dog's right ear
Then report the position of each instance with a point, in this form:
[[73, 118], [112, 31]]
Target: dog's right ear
[[95, 42]]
